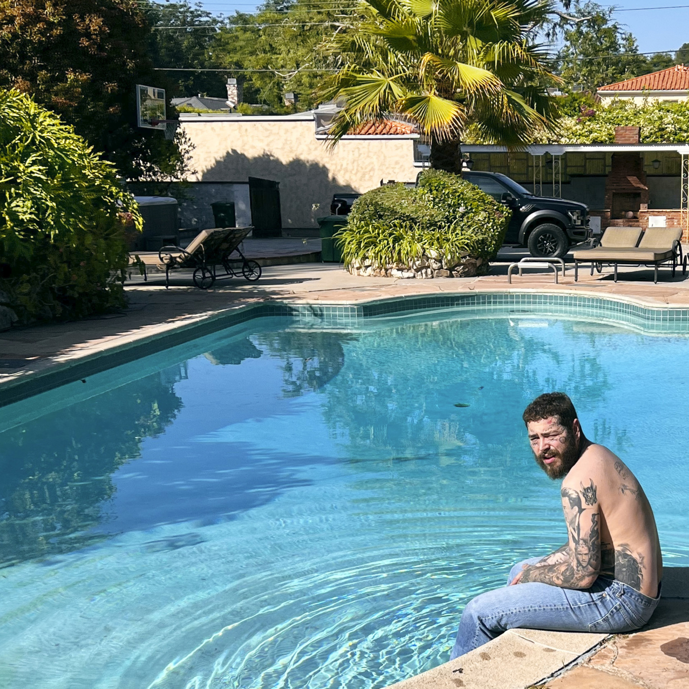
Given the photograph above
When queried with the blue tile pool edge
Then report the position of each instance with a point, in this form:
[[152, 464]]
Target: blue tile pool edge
[[659, 320]]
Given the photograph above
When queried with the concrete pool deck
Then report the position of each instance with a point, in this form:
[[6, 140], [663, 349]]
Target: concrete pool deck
[[655, 658]]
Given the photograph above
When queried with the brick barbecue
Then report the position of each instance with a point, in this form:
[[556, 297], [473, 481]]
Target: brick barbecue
[[626, 192]]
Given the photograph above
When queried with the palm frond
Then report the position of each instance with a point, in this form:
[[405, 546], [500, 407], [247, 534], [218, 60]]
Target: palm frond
[[460, 76], [441, 117]]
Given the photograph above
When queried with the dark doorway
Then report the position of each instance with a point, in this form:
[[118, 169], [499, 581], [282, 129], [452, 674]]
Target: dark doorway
[[264, 195]]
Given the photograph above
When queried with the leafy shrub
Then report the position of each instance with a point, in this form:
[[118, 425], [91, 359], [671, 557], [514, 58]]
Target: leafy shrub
[[62, 218], [660, 123], [442, 216]]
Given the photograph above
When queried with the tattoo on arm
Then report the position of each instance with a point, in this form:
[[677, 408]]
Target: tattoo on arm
[[560, 555], [584, 549]]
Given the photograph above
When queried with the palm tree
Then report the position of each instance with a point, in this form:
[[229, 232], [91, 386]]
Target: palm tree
[[448, 66]]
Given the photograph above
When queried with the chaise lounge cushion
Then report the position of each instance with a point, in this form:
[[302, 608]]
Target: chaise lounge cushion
[[649, 255], [620, 237], [656, 245]]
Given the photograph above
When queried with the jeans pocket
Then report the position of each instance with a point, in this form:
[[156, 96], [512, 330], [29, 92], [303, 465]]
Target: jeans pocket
[[614, 621]]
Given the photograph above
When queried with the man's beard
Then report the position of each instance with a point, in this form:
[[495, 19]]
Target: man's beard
[[565, 460]]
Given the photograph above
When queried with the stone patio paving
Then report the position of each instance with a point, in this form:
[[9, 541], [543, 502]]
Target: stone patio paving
[[655, 658]]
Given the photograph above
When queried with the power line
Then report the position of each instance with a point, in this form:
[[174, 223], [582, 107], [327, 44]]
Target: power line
[[644, 9]]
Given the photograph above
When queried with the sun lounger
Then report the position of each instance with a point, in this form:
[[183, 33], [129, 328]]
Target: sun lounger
[[658, 245], [209, 249]]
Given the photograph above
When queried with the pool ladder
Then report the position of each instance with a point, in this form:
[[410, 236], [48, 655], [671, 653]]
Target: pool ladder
[[535, 262]]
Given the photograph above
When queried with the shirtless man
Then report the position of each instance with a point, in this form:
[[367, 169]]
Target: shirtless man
[[607, 577]]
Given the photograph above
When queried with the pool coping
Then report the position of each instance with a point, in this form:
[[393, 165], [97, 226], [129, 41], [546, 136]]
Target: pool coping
[[645, 316]]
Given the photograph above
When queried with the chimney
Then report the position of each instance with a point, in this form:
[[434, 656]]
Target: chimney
[[234, 93], [627, 135]]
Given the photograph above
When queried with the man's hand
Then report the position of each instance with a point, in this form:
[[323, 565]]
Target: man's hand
[[518, 578]]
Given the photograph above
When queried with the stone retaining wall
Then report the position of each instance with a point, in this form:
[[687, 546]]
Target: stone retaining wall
[[423, 268]]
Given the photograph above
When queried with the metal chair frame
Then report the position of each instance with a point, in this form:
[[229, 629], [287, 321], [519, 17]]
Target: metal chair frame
[[215, 250]]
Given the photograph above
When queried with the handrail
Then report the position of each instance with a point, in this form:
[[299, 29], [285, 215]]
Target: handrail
[[553, 263]]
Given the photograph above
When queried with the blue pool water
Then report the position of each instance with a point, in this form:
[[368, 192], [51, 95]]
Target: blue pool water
[[275, 507]]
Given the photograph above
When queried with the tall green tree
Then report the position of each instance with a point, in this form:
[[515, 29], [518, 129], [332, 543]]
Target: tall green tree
[[282, 47], [176, 40], [82, 59], [682, 55], [597, 50], [447, 65]]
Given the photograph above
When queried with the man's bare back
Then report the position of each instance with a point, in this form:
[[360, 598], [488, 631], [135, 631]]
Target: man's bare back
[[630, 549]]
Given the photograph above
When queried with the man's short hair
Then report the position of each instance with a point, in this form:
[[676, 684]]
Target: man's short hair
[[551, 404]]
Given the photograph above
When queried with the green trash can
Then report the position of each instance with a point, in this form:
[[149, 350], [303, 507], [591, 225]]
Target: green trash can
[[223, 213], [330, 225]]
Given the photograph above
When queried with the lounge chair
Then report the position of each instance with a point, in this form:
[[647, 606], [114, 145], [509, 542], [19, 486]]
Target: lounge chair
[[209, 249], [658, 245]]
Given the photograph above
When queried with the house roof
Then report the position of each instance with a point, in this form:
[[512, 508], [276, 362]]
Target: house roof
[[384, 128], [201, 103], [671, 79]]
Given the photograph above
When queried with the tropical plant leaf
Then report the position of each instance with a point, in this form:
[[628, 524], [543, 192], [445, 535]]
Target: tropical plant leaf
[[440, 116]]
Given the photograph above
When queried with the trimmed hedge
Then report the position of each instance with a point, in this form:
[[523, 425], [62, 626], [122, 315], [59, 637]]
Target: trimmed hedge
[[63, 213], [442, 217]]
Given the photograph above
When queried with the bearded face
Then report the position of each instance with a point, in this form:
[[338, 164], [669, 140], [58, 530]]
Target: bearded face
[[555, 447]]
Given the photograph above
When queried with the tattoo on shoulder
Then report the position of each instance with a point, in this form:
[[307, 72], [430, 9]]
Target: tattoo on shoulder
[[624, 489], [589, 493], [621, 469]]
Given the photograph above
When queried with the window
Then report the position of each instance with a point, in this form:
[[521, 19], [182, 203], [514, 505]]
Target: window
[[422, 153], [490, 186]]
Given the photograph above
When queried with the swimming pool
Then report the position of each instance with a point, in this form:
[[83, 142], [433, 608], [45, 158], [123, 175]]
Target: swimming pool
[[283, 506]]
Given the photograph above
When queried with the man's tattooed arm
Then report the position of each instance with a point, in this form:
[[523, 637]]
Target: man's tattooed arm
[[581, 568], [556, 557]]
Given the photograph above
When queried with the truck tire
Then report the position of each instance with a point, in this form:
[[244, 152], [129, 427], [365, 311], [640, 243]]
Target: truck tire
[[548, 241]]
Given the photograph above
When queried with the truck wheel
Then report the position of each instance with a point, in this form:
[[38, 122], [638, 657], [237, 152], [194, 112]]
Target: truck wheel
[[549, 241]]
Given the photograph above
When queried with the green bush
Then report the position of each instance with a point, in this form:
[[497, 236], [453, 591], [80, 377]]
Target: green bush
[[660, 123], [443, 216], [62, 218]]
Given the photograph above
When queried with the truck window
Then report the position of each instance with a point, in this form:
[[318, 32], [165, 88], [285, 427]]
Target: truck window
[[490, 186]]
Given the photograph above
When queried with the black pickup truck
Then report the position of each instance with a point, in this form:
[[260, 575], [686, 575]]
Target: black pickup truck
[[546, 225]]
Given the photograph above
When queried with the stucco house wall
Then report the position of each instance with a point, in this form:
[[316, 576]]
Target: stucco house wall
[[641, 97], [285, 149]]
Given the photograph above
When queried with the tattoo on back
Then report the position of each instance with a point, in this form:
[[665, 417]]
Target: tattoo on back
[[628, 567], [625, 488]]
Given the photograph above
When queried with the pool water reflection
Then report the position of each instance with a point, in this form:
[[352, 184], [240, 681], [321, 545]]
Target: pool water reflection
[[283, 507]]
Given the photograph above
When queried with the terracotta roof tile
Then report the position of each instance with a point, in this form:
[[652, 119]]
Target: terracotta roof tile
[[672, 79], [383, 128]]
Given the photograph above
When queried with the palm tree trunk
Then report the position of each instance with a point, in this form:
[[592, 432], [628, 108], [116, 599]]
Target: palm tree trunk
[[446, 155]]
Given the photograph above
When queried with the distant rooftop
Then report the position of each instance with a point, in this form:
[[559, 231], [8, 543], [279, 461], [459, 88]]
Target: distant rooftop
[[384, 128], [201, 103], [672, 79]]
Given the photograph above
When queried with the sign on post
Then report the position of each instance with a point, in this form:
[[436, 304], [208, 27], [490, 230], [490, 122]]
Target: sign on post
[[150, 107]]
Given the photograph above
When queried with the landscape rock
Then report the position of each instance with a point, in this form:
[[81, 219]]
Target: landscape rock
[[424, 268]]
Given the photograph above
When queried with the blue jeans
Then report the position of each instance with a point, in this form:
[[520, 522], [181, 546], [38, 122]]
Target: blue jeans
[[608, 607]]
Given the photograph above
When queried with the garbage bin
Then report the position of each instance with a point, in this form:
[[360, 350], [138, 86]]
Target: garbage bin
[[223, 213], [330, 225]]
